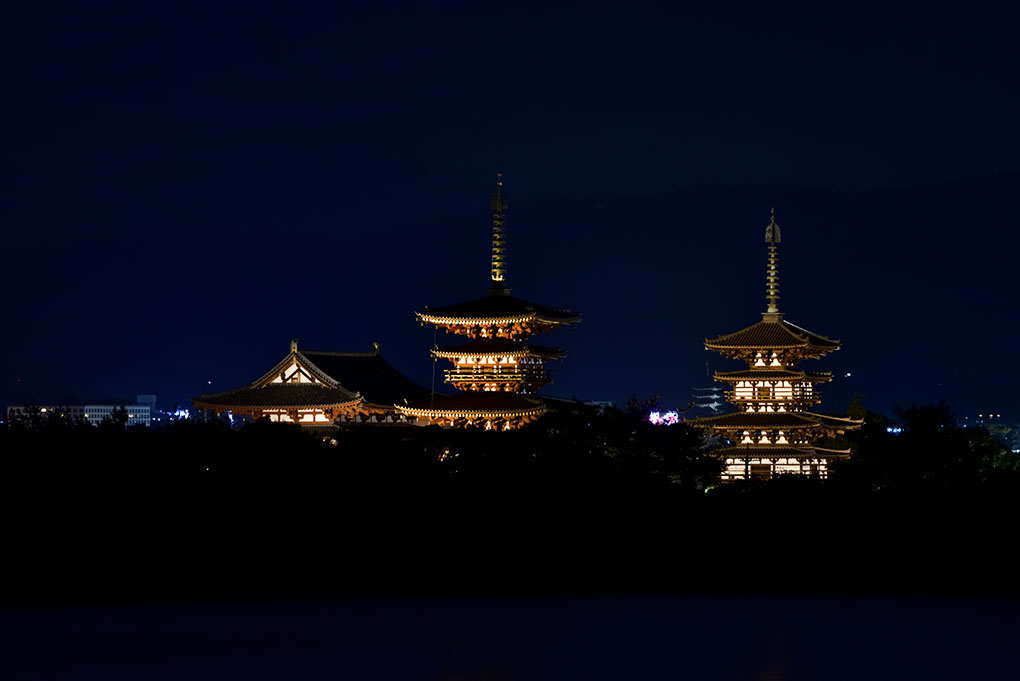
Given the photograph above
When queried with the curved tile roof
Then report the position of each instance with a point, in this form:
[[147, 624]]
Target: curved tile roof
[[341, 378], [500, 346], [752, 420], [772, 332], [785, 419], [377, 380], [480, 404], [298, 395], [771, 374], [757, 451], [497, 308]]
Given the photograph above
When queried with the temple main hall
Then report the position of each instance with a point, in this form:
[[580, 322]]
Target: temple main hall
[[773, 432], [320, 388]]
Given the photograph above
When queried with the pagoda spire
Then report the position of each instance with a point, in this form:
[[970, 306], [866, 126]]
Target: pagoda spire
[[772, 266], [498, 239]]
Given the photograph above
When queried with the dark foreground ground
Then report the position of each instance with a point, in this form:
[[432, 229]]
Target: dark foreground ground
[[201, 552], [198, 523], [397, 543]]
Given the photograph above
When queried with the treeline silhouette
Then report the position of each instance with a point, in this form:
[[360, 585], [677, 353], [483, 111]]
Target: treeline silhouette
[[584, 500]]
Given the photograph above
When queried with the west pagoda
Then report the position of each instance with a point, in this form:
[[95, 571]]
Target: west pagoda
[[496, 368], [773, 431]]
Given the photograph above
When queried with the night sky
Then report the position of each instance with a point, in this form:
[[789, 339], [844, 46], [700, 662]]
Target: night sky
[[188, 187]]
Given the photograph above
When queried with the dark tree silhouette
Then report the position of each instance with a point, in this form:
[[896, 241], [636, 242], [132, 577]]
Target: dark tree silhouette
[[117, 419]]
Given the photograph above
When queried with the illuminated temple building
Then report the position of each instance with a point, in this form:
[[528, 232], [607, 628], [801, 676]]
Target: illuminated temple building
[[496, 368], [773, 432], [315, 388]]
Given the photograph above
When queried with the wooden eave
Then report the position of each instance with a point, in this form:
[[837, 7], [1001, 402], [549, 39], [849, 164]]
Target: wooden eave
[[280, 396], [475, 321], [475, 405], [779, 452], [842, 422], [496, 310], [470, 413], [735, 423], [773, 374], [772, 333], [498, 349], [742, 420], [776, 419]]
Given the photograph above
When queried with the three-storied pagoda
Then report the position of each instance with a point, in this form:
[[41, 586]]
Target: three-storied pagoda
[[497, 369], [773, 432]]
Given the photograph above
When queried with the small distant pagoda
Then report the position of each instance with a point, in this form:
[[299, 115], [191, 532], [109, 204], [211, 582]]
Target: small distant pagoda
[[773, 432], [497, 370]]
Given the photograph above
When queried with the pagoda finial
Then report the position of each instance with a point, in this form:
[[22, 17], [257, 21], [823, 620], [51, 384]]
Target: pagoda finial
[[772, 238], [498, 239]]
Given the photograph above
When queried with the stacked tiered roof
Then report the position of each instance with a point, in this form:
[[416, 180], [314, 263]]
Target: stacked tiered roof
[[773, 432], [497, 369]]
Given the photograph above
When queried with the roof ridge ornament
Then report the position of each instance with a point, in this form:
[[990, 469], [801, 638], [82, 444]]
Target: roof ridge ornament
[[293, 345], [498, 271], [772, 238]]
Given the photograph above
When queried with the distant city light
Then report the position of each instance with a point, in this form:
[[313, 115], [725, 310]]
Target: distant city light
[[895, 430], [663, 419], [182, 414], [848, 374]]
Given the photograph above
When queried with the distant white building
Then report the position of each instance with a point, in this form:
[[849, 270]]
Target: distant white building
[[138, 414]]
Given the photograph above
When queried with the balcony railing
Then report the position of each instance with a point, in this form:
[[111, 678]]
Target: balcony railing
[[496, 375]]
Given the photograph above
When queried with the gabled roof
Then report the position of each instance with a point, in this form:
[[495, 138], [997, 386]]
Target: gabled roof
[[502, 347], [497, 308], [367, 372], [340, 378], [289, 360], [772, 332], [263, 392]]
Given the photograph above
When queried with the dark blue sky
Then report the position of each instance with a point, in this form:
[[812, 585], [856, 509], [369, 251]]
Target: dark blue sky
[[187, 187]]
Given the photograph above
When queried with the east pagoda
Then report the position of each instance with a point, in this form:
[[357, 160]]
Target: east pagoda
[[773, 431], [497, 368]]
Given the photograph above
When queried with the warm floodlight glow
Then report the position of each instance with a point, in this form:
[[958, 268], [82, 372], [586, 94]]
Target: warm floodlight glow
[[773, 430]]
